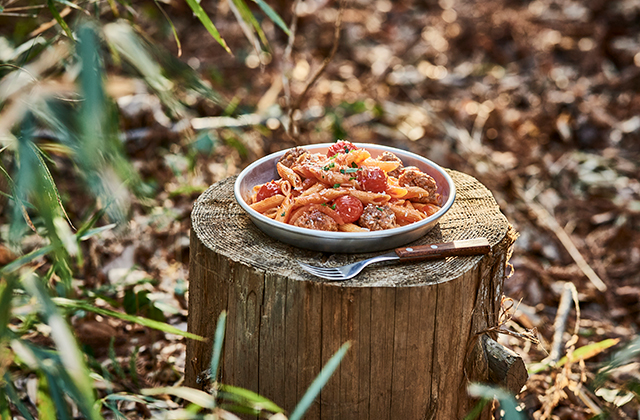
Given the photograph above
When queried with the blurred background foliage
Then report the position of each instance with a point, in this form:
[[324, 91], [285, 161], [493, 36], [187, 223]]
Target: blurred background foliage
[[116, 115]]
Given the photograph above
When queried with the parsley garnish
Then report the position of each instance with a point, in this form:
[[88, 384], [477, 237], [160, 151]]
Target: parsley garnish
[[333, 207], [379, 208], [354, 165], [336, 185], [283, 213], [346, 149], [329, 166], [353, 170], [351, 178], [342, 171], [323, 204]]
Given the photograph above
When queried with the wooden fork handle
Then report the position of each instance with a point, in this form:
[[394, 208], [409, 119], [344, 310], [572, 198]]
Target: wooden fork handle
[[447, 249]]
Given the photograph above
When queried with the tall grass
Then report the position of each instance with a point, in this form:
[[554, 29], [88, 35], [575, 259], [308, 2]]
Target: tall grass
[[38, 288]]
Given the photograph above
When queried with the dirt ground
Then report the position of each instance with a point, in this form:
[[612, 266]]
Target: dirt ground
[[539, 100]]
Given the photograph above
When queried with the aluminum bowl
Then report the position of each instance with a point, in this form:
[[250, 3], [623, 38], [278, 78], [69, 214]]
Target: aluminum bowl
[[264, 170]]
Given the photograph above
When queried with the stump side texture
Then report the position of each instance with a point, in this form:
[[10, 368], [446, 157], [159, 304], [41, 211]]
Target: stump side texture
[[412, 326]]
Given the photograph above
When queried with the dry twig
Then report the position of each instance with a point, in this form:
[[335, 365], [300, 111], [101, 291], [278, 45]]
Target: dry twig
[[336, 41]]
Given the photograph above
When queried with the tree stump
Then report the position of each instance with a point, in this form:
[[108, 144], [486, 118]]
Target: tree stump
[[415, 327]]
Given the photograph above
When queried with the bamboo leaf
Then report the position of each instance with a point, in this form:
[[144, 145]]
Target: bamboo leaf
[[589, 350], [244, 16], [584, 353], [71, 4], [173, 28], [145, 322], [273, 15], [209, 26], [50, 185], [192, 395], [46, 407], [249, 398], [70, 355], [58, 18], [218, 341], [96, 231], [507, 402], [319, 383], [12, 395], [25, 259], [6, 296], [57, 395], [239, 10]]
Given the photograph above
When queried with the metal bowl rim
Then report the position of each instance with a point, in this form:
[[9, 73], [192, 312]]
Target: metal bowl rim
[[324, 235]]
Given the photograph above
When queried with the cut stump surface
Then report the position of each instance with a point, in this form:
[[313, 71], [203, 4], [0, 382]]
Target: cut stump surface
[[414, 326]]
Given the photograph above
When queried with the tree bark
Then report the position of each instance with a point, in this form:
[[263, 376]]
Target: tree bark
[[414, 326]]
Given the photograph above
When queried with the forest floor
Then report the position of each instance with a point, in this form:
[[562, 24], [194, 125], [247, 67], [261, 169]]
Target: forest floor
[[539, 100]]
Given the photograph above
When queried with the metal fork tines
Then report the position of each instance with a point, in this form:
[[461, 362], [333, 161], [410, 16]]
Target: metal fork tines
[[345, 272]]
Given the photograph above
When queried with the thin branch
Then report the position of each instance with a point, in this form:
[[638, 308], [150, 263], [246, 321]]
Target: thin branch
[[325, 63], [287, 60]]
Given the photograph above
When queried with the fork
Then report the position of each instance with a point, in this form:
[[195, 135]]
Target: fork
[[419, 252]]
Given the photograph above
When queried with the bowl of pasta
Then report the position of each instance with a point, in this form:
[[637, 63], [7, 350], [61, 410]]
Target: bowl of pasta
[[344, 197]]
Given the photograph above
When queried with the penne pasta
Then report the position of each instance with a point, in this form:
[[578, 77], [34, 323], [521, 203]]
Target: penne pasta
[[367, 197], [386, 166], [344, 190], [351, 227], [324, 196], [289, 175], [406, 214], [268, 203]]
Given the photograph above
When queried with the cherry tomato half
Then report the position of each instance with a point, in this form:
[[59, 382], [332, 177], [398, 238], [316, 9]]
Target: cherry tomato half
[[340, 147], [350, 208], [373, 179], [267, 190]]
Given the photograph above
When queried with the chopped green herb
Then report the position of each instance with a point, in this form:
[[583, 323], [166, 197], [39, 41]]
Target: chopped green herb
[[346, 149], [336, 185], [323, 204], [379, 208], [283, 213], [329, 166], [342, 171], [334, 156], [333, 207], [351, 178], [353, 170], [354, 165]]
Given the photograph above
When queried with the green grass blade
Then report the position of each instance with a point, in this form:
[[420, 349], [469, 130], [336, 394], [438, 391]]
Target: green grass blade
[[70, 4], [96, 231], [319, 383], [12, 395], [476, 410], [507, 401], [91, 222], [585, 352], [246, 20], [218, 341], [5, 411], [70, 354], [273, 16], [173, 28], [45, 405], [50, 184], [57, 396], [26, 259], [249, 399], [206, 22], [192, 395], [145, 322], [59, 19], [6, 296]]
